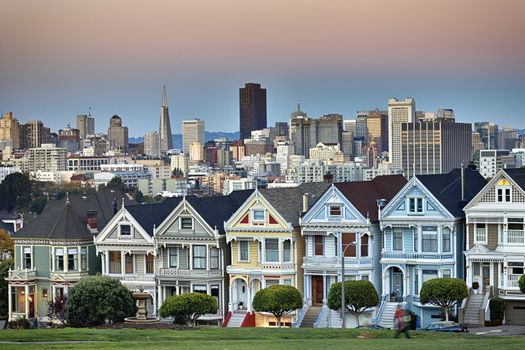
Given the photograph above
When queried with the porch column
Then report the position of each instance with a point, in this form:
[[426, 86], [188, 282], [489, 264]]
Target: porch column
[[208, 262], [492, 274], [123, 262], [106, 253], [324, 290], [10, 302], [159, 295], [505, 276], [230, 293], [306, 290], [405, 282], [248, 296], [468, 267], [26, 300]]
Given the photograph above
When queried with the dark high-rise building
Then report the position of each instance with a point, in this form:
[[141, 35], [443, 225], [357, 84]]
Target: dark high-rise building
[[488, 133], [252, 109]]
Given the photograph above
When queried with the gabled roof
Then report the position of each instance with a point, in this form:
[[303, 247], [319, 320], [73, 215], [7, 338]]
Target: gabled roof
[[5, 227], [288, 201], [363, 194], [215, 210], [66, 218], [518, 175], [446, 188]]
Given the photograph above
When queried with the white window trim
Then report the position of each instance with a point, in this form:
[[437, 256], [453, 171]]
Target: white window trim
[[146, 265], [504, 197], [192, 223], [239, 251], [282, 258], [31, 256], [66, 259], [132, 263], [335, 215], [64, 267], [169, 258], [415, 212], [252, 215], [402, 240], [476, 241], [279, 251], [87, 258], [131, 230]]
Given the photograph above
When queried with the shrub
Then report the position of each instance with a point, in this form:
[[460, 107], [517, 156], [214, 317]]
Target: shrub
[[413, 319], [4, 272], [521, 283], [497, 309], [20, 323], [187, 308], [56, 309], [443, 292], [279, 300], [95, 300], [359, 296]]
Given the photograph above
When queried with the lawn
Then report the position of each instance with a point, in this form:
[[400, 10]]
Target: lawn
[[245, 338]]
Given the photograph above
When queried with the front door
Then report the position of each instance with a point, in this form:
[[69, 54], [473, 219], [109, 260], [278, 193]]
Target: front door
[[397, 284], [486, 276], [317, 290]]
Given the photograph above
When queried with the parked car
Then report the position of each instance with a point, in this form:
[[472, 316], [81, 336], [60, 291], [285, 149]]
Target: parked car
[[446, 326], [371, 326]]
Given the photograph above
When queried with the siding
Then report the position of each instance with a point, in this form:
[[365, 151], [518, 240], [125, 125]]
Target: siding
[[492, 236], [375, 251], [470, 236], [299, 254], [253, 249], [184, 263], [408, 240], [388, 236], [329, 246], [41, 260], [94, 262], [41, 305], [139, 264]]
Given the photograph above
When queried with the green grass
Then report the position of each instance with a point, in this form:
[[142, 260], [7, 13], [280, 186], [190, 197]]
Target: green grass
[[247, 338]]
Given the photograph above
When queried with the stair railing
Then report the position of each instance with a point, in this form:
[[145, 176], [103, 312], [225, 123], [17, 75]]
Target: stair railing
[[300, 316], [321, 321], [379, 312]]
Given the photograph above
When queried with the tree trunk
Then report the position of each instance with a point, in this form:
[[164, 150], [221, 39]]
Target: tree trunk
[[279, 321], [356, 315], [446, 313]]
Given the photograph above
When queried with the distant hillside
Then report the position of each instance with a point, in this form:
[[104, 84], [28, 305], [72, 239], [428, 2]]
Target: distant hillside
[[208, 136], [521, 132]]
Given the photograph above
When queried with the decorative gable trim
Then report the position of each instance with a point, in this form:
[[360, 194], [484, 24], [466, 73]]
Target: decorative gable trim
[[114, 223], [488, 193]]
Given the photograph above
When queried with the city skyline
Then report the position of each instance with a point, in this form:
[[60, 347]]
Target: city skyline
[[466, 56]]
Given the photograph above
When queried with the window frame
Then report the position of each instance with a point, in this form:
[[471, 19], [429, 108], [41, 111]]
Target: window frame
[[126, 262], [125, 235], [240, 243], [75, 258], [83, 258], [425, 240], [25, 257], [318, 245], [198, 258], [335, 210], [148, 264], [57, 260], [215, 258], [183, 221], [446, 232], [478, 226], [396, 230], [364, 246], [273, 241], [289, 249], [415, 206], [258, 211], [115, 253]]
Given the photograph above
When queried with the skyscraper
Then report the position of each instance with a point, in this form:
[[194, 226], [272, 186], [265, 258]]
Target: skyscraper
[[152, 144], [166, 141], [33, 134], [85, 125], [488, 133], [377, 127], [192, 131], [10, 129], [252, 109], [306, 133], [398, 112], [117, 134]]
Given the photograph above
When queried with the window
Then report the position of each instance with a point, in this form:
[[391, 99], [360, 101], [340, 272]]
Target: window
[[59, 259], [335, 210], [429, 274], [83, 258], [365, 278], [214, 289], [318, 245], [258, 215], [186, 223], [128, 261], [445, 233], [173, 257], [447, 273], [416, 281], [364, 245], [184, 258], [243, 251], [199, 256], [115, 265], [429, 239], [348, 243], [397, 237], [200, 289], [271, 245], [287, 282], [480, 233], [27, 258], [415, 205], [125, 230], [416, 241], [272, 282], [214, 258], [72, 259], [150, 263], [504, 194], [287, 257]]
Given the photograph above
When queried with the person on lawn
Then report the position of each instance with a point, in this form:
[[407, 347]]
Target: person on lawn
[[402, 321]]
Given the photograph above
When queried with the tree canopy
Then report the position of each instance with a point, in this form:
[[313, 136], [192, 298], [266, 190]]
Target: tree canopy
[[359, 296], [5, 265], [15, 192], [521, 283], [116, 184], [187, 308], [443, 292], [279, 300]]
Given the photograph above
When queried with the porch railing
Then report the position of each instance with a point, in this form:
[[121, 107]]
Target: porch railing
[[516, 237]]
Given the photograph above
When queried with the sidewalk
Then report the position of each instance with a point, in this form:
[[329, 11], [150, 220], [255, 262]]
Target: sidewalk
[[499, 330]]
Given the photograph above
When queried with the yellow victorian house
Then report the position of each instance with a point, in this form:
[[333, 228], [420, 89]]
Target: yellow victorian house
[[266, 248]]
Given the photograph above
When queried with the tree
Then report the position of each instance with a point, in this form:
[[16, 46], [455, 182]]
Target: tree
[[139, 197], [7, 246], [5, 266], [95, 300], [443, 292], [15, 192], [359, 296], [279, 300], [116, 184], [187, 308], [57, 309], [38, 204], [521, 283]]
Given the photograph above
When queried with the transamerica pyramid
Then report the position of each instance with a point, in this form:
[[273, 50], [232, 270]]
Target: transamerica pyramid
[[166, 143]]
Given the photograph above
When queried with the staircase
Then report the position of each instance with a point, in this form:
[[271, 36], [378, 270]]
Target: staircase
[[310, 317], [472, 310], [387, 318], [236, 319]]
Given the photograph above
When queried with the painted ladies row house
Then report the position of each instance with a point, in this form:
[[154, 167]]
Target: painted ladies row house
[[171, 248], [495, 249], [55, 250]]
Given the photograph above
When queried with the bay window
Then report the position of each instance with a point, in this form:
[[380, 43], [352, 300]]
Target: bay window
[[72, 259], [429, 240], [271, 246], [199, 256], [59, 259]]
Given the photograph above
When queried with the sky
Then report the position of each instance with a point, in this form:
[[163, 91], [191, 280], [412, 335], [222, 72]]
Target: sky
[[60, 57]]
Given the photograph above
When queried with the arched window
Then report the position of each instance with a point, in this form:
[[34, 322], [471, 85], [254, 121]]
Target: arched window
[[364, 245]]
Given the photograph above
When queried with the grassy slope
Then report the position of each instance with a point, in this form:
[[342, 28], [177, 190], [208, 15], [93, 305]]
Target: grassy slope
[[254, 338]]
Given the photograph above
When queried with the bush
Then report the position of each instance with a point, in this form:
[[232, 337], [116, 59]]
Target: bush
[[279, 300], [413, 319], [443, 292], [497, 309], [4, 272], [521, 283], [187, 308], [20, 323], [359, 296], [57, 309], [95, 300]]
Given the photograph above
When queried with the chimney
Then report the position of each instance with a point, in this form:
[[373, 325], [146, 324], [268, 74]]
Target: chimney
[[462, 183], [91, 220], [305, 202]]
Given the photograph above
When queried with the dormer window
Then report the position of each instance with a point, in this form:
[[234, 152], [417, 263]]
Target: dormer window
[[335, 210], [415, 205], [503, 191], [125, 230], [258, 215], [186, 223]]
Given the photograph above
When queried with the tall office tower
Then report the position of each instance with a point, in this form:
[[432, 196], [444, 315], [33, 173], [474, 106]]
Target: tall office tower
[[152, 144], [477, 145], [85, 125], [489, 134], [508, 138], [192, 131], [10, 129], [33, 134], [69, 138], [398, 112], [377, 126], [435, 146], [347, 146], [117, 134], [306, 133], [166, 142], [361, 132], [282, 129], [329, 129], [252, 109]]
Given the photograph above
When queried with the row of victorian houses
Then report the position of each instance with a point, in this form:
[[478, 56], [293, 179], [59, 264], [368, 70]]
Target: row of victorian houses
[[390, 231]]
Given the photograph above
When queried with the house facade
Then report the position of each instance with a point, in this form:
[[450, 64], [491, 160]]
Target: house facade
[[344, 222], [423, 238], [55, 250], [495, 247], [267, 247]]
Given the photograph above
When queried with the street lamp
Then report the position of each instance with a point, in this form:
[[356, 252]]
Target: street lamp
[[343, 301]]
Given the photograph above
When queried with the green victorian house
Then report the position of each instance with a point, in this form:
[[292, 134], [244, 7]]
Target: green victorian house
[[55, 250]]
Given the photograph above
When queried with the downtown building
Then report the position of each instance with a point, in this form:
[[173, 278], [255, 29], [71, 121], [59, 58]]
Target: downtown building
[[192, 132], [85, 125], [166, 142], [399, 112], [306, 133], [252, 109]]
